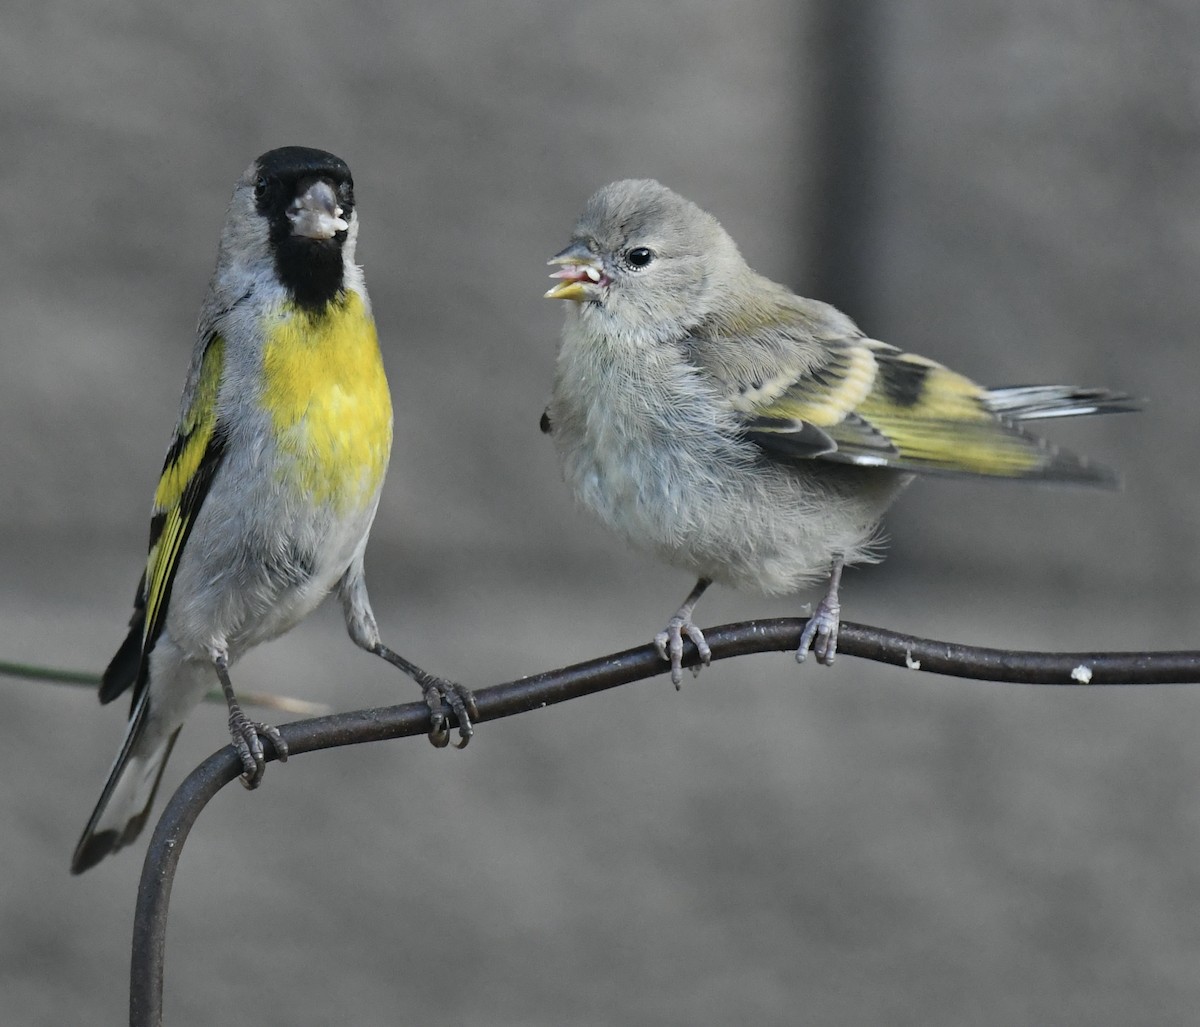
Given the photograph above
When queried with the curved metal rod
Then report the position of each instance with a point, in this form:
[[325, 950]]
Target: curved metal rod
[[531, 693]]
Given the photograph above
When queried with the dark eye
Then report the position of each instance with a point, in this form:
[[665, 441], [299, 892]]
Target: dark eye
[[260, 188], [639, 256]]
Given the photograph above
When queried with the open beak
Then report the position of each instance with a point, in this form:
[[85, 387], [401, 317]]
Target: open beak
[[315, 213], [581, 273]]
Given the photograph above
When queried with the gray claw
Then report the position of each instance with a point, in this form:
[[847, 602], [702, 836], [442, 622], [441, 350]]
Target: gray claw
[[462, 702], [439, 734]]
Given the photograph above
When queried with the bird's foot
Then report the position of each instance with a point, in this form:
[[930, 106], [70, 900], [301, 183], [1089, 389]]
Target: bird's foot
[[669, 643], [821, 632], [247, 740], [442, 696]]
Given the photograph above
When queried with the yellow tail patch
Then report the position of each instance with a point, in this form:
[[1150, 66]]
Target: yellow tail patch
[[325, 390]]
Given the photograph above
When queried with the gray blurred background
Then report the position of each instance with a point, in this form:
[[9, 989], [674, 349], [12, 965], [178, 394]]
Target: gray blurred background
[[1008, 186]]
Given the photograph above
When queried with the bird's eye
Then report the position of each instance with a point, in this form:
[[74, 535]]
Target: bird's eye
[[639, 256], [260, 188]]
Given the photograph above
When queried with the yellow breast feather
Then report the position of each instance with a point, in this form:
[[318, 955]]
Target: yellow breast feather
[[325, 391]]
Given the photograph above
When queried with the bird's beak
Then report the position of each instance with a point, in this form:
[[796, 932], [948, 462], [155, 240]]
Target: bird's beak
[[315, 213], [581, 272]]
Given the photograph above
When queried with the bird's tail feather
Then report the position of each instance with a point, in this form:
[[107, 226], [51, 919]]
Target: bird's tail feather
[[128, 794], [1037, 402]]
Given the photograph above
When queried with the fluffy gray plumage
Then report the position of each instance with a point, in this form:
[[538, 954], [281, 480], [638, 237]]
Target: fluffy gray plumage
[[744, 433]]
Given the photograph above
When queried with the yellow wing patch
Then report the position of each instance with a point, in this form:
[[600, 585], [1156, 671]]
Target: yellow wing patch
[[827, 394], [936, 419], [194, 431], [877, 406], [187, 473]]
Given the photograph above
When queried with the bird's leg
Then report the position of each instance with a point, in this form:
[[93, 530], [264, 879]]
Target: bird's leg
[[438, 692], [245, 732], [670, 641], [821, 631]]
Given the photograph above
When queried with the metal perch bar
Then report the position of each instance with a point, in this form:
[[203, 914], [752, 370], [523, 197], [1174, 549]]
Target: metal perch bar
[[531, 693]]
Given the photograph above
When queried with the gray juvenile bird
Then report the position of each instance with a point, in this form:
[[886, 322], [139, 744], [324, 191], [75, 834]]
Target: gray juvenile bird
[[749, 435], [270, 485]]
